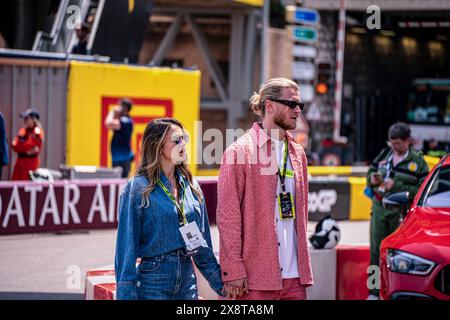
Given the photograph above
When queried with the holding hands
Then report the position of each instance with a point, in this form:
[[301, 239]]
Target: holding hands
[[236, 288]]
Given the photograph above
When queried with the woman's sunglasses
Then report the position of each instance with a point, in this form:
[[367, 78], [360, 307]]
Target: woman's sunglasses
[[292, 104], [179, 139]]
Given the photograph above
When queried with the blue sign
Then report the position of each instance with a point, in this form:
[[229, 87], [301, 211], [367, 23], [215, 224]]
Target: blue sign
[[306, 16]]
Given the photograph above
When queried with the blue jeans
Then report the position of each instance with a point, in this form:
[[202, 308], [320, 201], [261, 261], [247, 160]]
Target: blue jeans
[[168, 276]]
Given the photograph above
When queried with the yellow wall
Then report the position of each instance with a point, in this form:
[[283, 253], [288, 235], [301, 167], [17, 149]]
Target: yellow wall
[[258, 3], [96, 87], [360, 205], [431, 161]]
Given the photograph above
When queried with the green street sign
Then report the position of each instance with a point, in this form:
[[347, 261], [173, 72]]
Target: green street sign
[[304, 34]]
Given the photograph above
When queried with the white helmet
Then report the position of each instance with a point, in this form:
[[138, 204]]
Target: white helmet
[[327, 234]]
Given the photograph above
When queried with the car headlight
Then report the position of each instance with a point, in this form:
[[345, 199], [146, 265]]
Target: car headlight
[[402, 262]]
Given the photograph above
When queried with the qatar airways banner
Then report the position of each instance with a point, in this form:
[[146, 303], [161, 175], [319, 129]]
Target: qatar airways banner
[[31, 207]]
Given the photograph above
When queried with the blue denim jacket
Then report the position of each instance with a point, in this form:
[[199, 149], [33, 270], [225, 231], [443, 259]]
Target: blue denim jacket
[[152, 231]]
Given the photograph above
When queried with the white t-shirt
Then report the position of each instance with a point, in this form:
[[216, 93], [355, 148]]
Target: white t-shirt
[[287, 236]]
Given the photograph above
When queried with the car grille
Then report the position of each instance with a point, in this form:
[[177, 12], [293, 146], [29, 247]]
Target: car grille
[[442, 283]]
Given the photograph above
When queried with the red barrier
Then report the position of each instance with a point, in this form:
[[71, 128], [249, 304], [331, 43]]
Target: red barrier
[[351, 272], [100, 284]]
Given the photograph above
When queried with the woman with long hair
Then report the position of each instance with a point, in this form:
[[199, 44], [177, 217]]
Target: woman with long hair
[[163, 220], [28, 144]]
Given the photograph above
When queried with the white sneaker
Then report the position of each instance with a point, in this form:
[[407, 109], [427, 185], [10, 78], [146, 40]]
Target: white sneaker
[[373, 297]]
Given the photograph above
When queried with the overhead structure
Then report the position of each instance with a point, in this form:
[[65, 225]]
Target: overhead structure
[[244, 17], [118, 29]]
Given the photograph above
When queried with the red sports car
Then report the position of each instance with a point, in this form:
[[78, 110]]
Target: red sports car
[[415, 259]]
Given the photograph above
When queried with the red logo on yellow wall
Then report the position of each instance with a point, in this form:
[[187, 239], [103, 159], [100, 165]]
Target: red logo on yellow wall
[[143, 111]]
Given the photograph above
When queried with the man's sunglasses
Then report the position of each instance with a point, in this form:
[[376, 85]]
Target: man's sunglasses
[[290, 103], [179, 139]]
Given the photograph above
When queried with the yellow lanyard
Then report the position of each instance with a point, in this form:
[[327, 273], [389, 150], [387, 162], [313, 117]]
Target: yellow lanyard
[[180, 210], [283, 173]]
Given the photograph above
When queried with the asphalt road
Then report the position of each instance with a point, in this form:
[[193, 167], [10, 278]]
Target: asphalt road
[[53, 266]]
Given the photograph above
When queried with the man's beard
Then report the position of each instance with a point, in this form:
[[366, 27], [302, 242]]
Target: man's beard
[[283, 123]]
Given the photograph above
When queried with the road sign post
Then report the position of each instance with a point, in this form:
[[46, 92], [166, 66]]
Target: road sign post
[[302, 28]]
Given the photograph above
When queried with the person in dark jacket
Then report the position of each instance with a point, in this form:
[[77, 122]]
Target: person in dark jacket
[[397, 168], [119, 120], [83, 36]]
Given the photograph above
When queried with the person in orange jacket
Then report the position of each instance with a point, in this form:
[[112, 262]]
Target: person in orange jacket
[[28, 144]]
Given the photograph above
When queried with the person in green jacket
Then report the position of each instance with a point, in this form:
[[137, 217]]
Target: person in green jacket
[[397, 168]]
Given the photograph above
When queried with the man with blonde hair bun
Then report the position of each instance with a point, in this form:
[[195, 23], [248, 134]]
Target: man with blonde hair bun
[[262, 214]]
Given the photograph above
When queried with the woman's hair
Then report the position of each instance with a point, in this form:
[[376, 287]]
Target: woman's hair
[[155, 135], [271, 89]]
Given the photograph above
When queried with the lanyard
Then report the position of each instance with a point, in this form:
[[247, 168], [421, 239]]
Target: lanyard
[[390, 163], [180, 210], [282, 174]]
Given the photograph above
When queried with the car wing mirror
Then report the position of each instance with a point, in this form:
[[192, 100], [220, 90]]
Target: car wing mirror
[[397, 202]]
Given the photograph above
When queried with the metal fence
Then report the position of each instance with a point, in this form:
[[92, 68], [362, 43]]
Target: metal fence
[[41, 84]]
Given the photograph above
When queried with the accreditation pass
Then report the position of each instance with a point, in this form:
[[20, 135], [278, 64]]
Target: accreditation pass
[[192, 236]]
